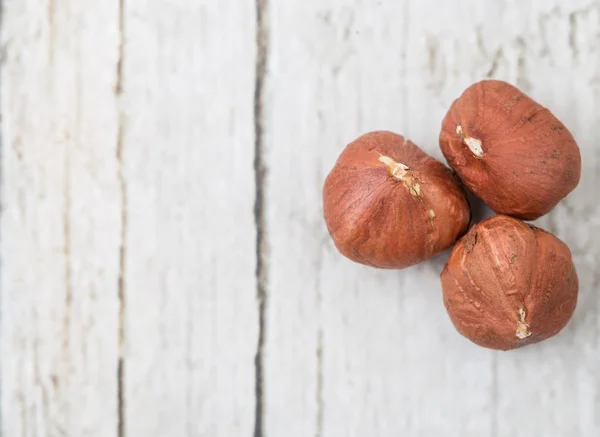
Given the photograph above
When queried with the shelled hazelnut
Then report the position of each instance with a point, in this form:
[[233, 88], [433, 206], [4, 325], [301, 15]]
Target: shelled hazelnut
[[388, 204], [510, 151], [508, 284]]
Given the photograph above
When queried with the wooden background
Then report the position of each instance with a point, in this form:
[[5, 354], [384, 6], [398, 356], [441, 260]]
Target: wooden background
[[165, 270]]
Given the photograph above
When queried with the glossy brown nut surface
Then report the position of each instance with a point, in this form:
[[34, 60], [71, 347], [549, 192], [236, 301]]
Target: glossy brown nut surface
[[388, 204], [508, 284], [510, 151]]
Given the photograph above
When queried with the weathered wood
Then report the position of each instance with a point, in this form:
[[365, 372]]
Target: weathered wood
[[371, 352], [191, 314], [60, 218], [150, 276], [353, 351]]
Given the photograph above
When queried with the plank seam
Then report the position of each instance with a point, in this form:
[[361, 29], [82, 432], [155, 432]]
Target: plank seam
[[262, 43], [123, 243]]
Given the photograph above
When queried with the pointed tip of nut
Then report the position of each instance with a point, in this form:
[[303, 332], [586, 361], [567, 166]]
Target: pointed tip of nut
[[523, 329], [474, 144], [402, 172], [395, 169]]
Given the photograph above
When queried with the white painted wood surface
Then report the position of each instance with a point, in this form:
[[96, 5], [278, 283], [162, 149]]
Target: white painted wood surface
[[60, 219], [191, 318], [156, 283]]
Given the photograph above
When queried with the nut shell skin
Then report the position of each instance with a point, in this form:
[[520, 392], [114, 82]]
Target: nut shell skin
[[508, 284], [528, 160], [379, 220]]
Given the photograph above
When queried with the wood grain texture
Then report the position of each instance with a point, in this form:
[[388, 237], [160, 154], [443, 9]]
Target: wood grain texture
[[373, 352], [352, 351], [191, 315], [60, 218], [156, 283]]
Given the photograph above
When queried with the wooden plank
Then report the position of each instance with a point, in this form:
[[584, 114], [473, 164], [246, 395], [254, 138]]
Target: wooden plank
[[129, 290], [191, 319], [354, 351], [61, 218]]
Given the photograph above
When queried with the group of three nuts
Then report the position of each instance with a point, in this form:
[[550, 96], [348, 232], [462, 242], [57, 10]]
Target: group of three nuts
[[388, 204]]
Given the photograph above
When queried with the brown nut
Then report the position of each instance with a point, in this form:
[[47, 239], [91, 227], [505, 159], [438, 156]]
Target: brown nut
[[508, 284], [388, 204], [510, 151]]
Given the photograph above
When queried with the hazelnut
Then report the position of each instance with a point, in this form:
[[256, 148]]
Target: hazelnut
[[508, 284], [388, 204], [510, 151]]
